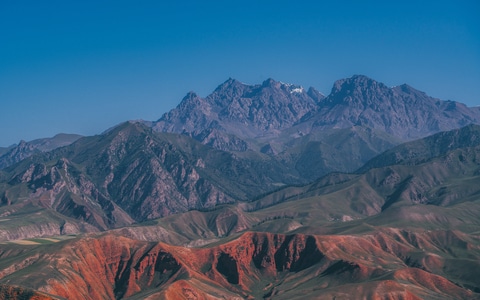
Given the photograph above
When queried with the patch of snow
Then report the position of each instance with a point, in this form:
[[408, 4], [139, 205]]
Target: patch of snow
[[292, 88], [296, 90]]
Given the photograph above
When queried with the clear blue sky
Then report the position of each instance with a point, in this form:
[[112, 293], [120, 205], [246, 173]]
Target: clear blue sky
[[84, 66]]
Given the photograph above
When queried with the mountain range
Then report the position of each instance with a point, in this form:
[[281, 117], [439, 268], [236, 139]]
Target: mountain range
[[358, 120], [256, 191], [275, 108], [16, 153]]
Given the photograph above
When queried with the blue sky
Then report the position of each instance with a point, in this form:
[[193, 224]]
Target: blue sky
[[84, 66]]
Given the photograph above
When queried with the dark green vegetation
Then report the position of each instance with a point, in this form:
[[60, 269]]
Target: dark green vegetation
[[231, 210]]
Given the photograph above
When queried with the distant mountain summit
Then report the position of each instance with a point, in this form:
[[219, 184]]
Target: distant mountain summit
[[308, 132], [25, 149], [401, 111], [253, 111], [243, 110]]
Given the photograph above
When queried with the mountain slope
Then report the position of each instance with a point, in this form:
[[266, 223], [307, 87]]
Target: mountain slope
[[422, 150], [332, 150], [16, 153], [4, 150], [13, 292], [132, 174], [436, 176], [437, 193]]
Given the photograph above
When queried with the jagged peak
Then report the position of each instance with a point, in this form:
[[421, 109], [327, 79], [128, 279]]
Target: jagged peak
[[408, 89], [190, 95], [188, 100], [360, 81], [125, 126], [269, 81], [288, 87], [356, 78], [355, 89], [363, 82], [315, 94], [230, 82], [272, 83], [361, 77], [314, 91]]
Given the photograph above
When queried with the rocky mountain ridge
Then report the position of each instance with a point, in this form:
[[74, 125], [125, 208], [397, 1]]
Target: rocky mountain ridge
[[401, 111], [254, 111], [16, 153], [361, 117], [247, 111], [132, 174]]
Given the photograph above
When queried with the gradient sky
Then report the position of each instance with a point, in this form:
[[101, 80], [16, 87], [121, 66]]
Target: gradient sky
[[84, 66]]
